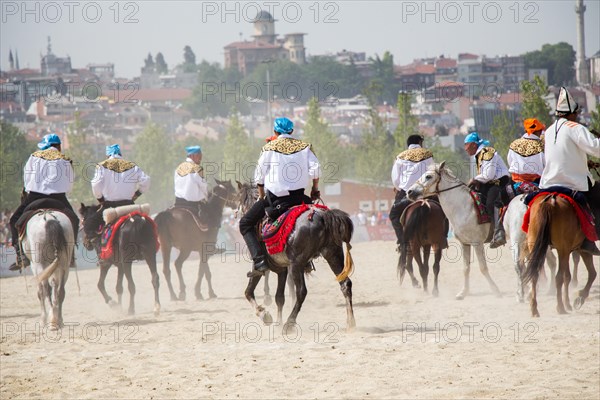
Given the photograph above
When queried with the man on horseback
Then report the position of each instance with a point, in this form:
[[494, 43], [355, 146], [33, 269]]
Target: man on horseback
[[567, 145], [407, 169], [285, 168], [490, 181], [190, 186], [48, 174], [526, 157], [117, 182]]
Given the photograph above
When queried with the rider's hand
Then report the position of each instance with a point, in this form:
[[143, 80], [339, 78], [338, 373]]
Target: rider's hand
[[315, 194], [136, 195], [473, 184]]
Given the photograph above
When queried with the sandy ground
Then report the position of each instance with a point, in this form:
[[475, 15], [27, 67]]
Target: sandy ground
[[407, 344]]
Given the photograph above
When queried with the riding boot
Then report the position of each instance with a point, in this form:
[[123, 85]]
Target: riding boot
[[260, 265], [499, 235], [22, 261], [589, 247]]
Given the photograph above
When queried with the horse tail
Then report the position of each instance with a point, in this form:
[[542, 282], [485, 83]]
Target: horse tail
[[162, 220], [415, 222], [542, 241], [55, 240], [339, 228]]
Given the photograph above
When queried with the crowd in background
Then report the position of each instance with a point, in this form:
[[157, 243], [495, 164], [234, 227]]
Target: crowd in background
[[4, 227]]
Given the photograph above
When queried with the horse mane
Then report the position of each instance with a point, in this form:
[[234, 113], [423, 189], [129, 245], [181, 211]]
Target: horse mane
[[248, 195]]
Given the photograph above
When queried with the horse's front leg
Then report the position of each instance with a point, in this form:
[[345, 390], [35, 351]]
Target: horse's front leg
[[261, 312], [280, 294], [436, 269], [335, 259], [150, 257], [267, 299], [588, 261], [479, 252], [422, 262], [183, 255], [166, 256], [119, 287], [130, 285], [466, 256], [104, 267], [297, 271]]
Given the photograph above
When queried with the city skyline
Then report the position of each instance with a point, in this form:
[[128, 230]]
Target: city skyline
[[487, 28]]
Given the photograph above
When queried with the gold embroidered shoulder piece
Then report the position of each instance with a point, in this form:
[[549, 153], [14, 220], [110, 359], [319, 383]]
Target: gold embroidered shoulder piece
[[186, 168], [415, 155], [487, 153], [286, 146], [117, 165], [50, 155], [527, 147]]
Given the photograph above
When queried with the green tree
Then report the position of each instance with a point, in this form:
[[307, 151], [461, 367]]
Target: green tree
[[383, 70], [595, 126], [408, 124], [83, 161], [189, 59], [504, 130], [15, 150], [161, 64], [533, 104], [457, 161], [149, 61], [156, 156], [558, 59], [239, 155]]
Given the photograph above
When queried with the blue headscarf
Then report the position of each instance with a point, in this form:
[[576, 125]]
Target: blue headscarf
[[473, 137], [48, 141], [283, 125], [113, 150], [193, 150]]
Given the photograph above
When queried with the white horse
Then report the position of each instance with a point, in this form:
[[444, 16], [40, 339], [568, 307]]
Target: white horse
[[48, 243], [457, 204]]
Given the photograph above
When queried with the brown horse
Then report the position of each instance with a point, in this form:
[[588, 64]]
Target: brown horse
[[553, 222], [177, 228], [424, 227]]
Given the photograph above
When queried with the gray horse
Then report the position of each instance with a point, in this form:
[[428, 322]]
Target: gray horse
[[317, 232]]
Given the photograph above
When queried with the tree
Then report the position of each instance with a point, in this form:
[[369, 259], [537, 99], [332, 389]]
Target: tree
[[595, 126], [189, 60], [15, 150], [558, 59], [83, 165], [149, 61], [161, 64], [533, 104], [383, 70], [457, 161], [156, 156], [408, 124], [239, 155], [504, 130]]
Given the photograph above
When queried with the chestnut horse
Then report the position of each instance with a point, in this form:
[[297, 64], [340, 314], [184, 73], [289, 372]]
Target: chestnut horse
[[553, 222], [424, 227]]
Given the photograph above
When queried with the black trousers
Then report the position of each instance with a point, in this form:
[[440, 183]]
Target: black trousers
[[279, 205], [400, 204], [593, 198], [192, 205], [493, 194], [30, 198]]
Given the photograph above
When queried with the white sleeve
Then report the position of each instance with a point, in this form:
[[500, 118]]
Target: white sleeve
[[202, 186], [29, 174], [396, 174], [261, 169], [587, 142], [488, 170], [70, 176], [98, 182], [314, 167], [143, 181], [510, 161]]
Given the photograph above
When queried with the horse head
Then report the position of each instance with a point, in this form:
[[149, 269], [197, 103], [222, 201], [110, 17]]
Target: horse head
[[226, 191], [248, 193], [89, 215]]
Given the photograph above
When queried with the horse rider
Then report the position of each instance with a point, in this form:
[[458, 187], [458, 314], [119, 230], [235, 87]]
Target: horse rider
[[491, 180], [525, 158], [191, 188], [407, 169], [117, 182], [48, 174], [285, 168], [567, 144]]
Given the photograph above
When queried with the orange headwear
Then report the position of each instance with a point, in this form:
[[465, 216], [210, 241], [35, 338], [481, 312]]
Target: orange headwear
[[270, 138], [533, 125]]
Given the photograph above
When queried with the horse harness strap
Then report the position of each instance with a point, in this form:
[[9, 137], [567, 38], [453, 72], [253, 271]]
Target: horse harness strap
[[438, 191]]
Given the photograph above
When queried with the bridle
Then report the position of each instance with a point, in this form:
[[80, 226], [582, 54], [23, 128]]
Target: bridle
[[437, 185], [215, 194]]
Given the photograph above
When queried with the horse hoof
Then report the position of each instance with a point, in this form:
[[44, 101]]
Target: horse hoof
[[113, 304], [212, 296], [266, 318], [578, 302], [131, 311], [289, 328], [460, 296], [199, 298], [181, 296], [435, 293], [268, 300], [174, 298], [157, 310], [520, 299], [416, 285], [535, 315]]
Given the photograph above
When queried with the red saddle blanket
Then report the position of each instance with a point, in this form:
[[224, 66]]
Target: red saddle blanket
[[276, 233], [482, 215], [585, 219], [109, 233]]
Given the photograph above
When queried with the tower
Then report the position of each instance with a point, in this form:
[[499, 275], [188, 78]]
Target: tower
[[581, 68], [264, 28]]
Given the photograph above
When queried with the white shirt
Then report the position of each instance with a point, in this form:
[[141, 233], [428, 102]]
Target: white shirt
[[281, 172], [192, 186], [47, 172], [566, 155], [116, 186], [406, 172], [491, 169], [519, 164]]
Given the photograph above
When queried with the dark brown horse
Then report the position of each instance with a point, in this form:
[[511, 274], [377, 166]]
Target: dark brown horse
[[553, 222], [177, 228], [316, 233], [424, 227]]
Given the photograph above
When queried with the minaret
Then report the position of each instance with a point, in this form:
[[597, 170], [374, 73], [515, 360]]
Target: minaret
[[17, 66], [581, 68], [11, 61]]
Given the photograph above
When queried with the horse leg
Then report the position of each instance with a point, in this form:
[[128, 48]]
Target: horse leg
[[533, 301], [166, 255], [60, 297], [519, 268], [261, 312], [567, 281], [131, 286], [410, 255], [42, 297], [267, 299], [466, 252], [280, 294], [422, 263], [551, 260], [197, 287], [563, 262], [150, 257], [436, 269], [588, 261], [204, 270], [103, 272], [291, 285], [301, 291], [576, 258], [119, 287], [479, 252], [335, 259], [183, 255]]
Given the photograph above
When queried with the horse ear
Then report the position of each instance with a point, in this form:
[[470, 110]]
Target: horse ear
[[217, 181], [82, 207], [442, 165], [239, 184]]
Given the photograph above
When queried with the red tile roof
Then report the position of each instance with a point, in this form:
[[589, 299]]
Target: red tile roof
[[164, 94], [467, 56], [445, 63], [252, 45]]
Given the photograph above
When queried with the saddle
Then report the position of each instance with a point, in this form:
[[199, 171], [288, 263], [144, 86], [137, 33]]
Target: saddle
[[108, 233], [482, 215], [201, 225], [276, 233], [39, 206]]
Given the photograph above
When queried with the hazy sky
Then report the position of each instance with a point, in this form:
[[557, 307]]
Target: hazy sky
[[97, 32]]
